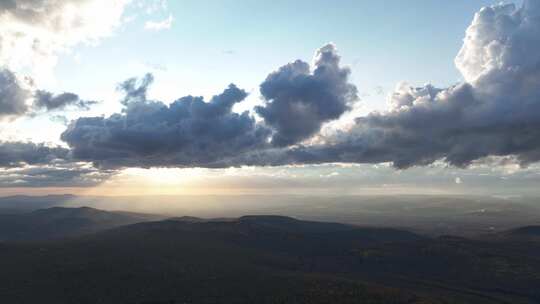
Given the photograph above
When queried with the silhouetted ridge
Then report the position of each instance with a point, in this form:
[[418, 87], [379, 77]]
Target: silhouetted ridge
[[187, 219], [24, 203], [292, 225], [269, 218], [64, 211]]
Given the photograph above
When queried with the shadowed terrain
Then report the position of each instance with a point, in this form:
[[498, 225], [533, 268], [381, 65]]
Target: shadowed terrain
[[268, 259]]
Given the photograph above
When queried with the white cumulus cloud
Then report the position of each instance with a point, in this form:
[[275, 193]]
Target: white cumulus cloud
[[34, 32]]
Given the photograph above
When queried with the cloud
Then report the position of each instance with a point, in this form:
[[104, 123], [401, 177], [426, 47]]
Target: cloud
[[15, 154], [159, 25], [33, 32], [416, 132], [49, 101], [496, 112], [136, 90], [18, 97], [57, 175], [298, 101], [190, 132], [14, 94], [193, 133]]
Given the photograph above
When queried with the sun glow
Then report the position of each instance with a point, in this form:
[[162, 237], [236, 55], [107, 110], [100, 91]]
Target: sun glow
[[164, 176], [155, 181]]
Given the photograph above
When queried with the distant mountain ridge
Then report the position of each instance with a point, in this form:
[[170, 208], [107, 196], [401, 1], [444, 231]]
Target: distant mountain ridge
[[25, 203], [61, 222], [435, 215]]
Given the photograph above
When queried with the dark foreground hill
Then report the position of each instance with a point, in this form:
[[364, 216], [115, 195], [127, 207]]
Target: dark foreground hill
[[268, 259]]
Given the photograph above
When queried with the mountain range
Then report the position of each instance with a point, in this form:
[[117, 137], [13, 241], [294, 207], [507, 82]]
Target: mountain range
[[84, 255]]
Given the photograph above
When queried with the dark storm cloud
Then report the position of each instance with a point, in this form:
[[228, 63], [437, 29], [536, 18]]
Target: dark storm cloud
[[13, 154], [13, 94], [189, 132], [49, 101], [298, 101]]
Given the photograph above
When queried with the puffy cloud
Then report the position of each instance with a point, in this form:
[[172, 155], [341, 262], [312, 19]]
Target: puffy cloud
[[32, 33], [49, 101], [136, 90], [501, 39], [14, 94], [18, 97], [14, 154], [189, 132], [415, 133], [298, 101], [405, 96]]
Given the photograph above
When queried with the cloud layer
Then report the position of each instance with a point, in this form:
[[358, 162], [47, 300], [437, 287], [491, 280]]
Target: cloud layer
[[187, 133], [16, 154], [13, 95]]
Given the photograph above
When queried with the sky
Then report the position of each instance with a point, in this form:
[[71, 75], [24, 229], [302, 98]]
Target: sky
[[161, 97]]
